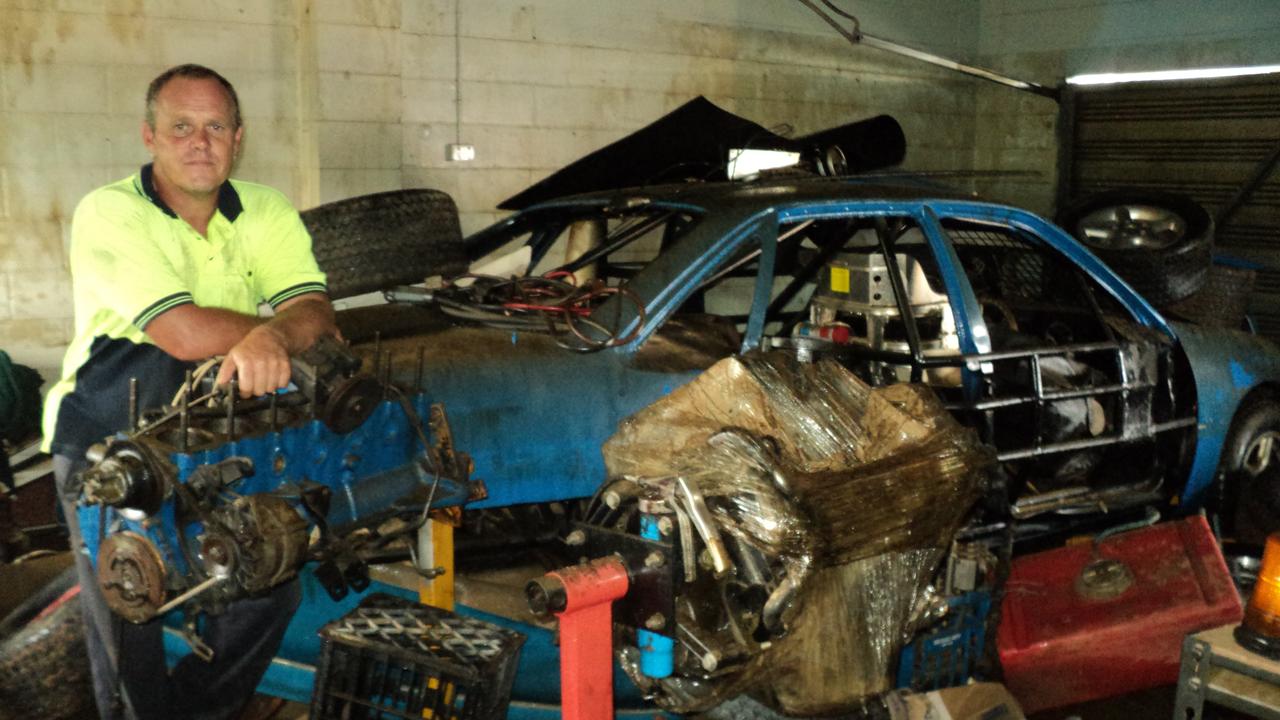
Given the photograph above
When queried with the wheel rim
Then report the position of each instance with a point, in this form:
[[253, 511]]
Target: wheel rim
[[1259, 453], [1129, 227]]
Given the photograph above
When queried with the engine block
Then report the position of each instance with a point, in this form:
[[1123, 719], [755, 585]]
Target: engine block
[[207, 502]]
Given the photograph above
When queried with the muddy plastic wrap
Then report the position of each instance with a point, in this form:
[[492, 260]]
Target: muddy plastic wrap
[[813, 412], [844, 643], [747, 483], [806, 459], [813, 512], [898, 502]]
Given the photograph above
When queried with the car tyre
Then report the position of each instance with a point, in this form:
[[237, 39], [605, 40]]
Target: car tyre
[[1250, 470], [42, 656], [1139, 243], [372, 242]]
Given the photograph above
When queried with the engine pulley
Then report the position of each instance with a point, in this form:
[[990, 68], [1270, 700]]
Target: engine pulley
[[350, 402], [128, 476], [131, 575], [326, 373]]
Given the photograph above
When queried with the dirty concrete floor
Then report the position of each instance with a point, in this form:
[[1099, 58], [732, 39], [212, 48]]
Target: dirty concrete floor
[[1156, 703]]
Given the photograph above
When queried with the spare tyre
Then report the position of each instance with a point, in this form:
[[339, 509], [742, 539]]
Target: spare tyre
[[42, 656], [1160, 243], [374, 242]]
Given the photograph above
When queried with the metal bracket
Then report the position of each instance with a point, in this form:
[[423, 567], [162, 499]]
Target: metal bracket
[[1216, 669], [653, 567]]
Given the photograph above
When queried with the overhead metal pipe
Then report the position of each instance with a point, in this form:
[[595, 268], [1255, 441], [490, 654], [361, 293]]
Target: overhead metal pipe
[[857, 37]]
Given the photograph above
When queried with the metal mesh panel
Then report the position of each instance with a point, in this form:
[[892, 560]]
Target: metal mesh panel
[[457, 638], [1001, 262]]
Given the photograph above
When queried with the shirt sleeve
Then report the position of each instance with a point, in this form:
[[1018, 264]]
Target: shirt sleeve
[[116, 254], [284, 265]]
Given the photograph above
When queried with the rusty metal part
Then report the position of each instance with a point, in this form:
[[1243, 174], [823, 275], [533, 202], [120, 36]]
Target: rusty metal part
[[131, 575], [696, 506], [1075, 498], [218, 553], [203, 587], [327, 374], [129, 475], [280, 545], [445, 458], [779, 599]]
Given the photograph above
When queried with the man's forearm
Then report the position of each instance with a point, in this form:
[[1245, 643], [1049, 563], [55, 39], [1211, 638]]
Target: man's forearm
[[191, 332], [303, 320]]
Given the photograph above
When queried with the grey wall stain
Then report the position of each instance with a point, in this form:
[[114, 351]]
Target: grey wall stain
[[21, 32], [124, 20]]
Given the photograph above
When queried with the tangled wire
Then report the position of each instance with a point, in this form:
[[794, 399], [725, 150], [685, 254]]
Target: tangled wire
[[552, 303]]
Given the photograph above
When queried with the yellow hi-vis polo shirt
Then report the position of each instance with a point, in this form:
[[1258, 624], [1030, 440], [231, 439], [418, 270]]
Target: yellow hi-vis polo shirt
[[132, 259]]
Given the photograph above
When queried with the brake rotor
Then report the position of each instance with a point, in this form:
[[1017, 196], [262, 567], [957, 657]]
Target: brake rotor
[[131, 575]]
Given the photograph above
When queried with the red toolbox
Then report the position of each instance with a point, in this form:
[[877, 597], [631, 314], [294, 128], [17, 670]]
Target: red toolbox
[[1094, 620]]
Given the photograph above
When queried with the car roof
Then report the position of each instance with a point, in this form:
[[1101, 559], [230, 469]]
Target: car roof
[[732, 201], [763, 193]]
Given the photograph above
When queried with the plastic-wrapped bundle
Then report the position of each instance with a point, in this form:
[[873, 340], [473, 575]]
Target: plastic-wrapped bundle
[[814, 413], [831, 503], [844, 642]]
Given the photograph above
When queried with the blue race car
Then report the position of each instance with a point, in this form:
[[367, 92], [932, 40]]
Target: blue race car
[[1093, 401]]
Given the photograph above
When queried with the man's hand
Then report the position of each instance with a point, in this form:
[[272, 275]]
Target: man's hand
[[260, 362], [256, 350]]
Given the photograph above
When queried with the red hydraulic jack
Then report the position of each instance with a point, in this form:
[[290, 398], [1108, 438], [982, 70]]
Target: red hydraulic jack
[[581, 597]]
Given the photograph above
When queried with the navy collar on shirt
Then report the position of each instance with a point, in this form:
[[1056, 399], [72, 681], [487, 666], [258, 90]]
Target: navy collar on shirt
[[228, 199]]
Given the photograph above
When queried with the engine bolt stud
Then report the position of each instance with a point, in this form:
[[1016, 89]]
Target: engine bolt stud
[[656, 621], [665, 526], [575, 538], [654, 559], [612, 499]]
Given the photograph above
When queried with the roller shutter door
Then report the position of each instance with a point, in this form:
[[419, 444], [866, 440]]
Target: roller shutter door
[[1205, 139]]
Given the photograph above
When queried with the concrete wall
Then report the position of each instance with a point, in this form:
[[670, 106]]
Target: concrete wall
[[343, 97], [1048, 40]]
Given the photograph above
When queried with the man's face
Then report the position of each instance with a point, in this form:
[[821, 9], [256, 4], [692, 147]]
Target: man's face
[[195, 140]]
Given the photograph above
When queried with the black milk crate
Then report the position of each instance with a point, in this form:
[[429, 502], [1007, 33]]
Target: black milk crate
[[394, 658]]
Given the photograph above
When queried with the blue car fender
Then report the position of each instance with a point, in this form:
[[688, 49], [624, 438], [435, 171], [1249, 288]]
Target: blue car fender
[[1227, 365]]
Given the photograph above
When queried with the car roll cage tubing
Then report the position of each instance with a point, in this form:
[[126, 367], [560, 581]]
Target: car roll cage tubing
[[1040, 396], [976, 353], [973, 336]]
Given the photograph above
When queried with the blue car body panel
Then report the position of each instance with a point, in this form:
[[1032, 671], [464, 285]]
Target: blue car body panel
[[1228, 365], [525, 419]]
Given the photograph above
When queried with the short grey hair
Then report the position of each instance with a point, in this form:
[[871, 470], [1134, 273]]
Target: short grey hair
[[193, 72]]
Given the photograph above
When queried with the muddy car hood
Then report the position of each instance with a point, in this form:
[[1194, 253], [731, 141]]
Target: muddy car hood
[[531, 414]]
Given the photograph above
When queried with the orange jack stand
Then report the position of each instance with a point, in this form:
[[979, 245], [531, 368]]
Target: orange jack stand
[[581, 597]]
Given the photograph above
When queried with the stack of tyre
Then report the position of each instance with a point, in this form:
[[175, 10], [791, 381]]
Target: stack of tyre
[[1162, 245]]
